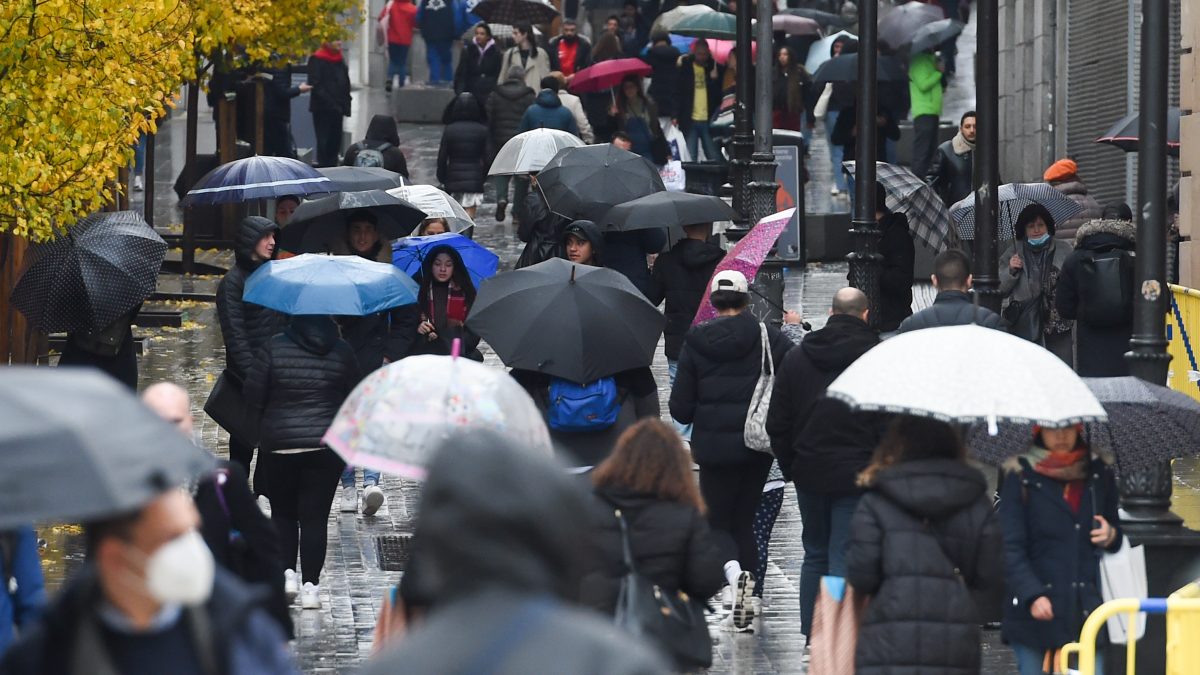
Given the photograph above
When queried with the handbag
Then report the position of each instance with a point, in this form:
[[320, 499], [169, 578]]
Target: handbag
[[1123, 575], [754, 435], [1024, 318], [673, 176], [837, 618], [671, 620], [227, 406]]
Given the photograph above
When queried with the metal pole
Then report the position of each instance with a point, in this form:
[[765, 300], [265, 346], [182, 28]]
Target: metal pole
[[865, 259], [189, 164], [1146, 494], [148, 180], [762, 184], [743, 133], [986, 174]]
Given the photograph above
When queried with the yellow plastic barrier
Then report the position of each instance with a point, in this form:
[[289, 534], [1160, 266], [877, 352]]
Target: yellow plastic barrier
[[1183, 615], [1183, 340], [1183, 649]]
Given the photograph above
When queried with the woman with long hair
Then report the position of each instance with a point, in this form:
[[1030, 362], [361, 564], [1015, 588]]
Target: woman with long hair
[[596, 104], [791, 83], [636, 115], [444, 300], [479, 66], [925, 545], [525, 54]]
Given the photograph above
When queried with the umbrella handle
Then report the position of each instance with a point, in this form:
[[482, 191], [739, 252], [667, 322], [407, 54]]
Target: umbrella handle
[[455, 348]]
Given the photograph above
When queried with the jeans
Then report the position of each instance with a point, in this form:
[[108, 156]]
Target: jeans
[[698, 133], [139, 154], [925, 142], [825, 536], [397, 62], [835, 151], [438, 55], [1030, 659], [301, 488], [369, 477], [685, 430], [732, 493]]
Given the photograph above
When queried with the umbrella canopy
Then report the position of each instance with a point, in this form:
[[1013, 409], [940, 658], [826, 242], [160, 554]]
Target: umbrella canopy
[[898, 27], [928, 217], [410, 253], [821, 17], [515, 12], [937, 373], [747, 256], [1147, 423], [721, 49], [667, 20], [1014, 197], [845, 69], [795, 25], [340, 285], [932, 35], [83, 427], [607, 74], [399, 415], [819, 52], [359, 178], [436, 204], [1124, 134], [528, 152], [572, 321], [667, 209], [717, 25], [258, 177], [102, 268], [318, 224], [586, 182]]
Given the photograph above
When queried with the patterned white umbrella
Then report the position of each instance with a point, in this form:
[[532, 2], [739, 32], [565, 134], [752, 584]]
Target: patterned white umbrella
[[529, 152], [1014, 197], [436, 204], [966, 374]]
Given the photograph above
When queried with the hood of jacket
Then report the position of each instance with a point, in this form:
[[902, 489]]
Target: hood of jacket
[[843, 339], [548, 98], [694, 254], [1106, 232], [931, 488], [725, 338], [588, 230], [464, 108], [251, 230], [1074, 186], [495, 515], [662, 54], [512, 89], [316, 334], [383, 128]]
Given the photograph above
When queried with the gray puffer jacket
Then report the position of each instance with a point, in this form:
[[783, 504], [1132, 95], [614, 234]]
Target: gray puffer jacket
[[1077, 191]]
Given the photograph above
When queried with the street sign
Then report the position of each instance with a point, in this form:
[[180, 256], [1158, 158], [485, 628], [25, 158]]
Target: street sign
[[787, 175]]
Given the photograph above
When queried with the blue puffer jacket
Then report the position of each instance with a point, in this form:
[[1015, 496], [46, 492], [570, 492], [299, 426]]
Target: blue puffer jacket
[[547, 112], [24, 606]]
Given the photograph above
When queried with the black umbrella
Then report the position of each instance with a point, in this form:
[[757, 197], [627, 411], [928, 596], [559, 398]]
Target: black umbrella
[[821, 17], [572, 321], [359, 178], [666, 209], [89, 432], [515, 12], [318, 224], [1124, 134], [933, 35], [99, 270], [898, 26], [844, 68], [586, 182]]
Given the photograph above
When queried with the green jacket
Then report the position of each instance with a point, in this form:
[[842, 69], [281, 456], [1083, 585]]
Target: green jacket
[[925, 85]]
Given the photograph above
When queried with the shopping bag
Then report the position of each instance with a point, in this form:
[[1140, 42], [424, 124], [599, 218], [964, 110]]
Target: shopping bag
[[1123, 575], [381, 26], [673, 176], [836, 621], [677, 143], [227, 406]]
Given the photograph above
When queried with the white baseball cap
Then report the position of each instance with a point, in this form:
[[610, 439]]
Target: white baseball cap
[[730, 280]]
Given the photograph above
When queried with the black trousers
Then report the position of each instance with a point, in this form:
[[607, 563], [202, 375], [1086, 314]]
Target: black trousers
[[732, 493], [301, 488], [328, 128], [925, 142]]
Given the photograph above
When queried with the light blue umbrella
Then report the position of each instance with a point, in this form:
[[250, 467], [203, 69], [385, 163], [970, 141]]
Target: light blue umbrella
[[410, 253], [344, 285], [818, 53]]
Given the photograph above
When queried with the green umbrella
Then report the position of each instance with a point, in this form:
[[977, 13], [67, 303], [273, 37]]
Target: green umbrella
[[715, 25]]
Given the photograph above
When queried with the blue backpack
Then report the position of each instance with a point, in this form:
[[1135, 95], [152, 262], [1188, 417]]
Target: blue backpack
[[582, 407]]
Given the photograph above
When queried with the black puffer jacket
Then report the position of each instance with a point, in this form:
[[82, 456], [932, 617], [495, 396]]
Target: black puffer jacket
[[382, 134], [821, 444], [896, 273], [463, 156], [1100, 350], [299, 381], [505, 108], [718, 369], [664, 78], [670, 541], [245, 327], [952, 308], [478, 69], [680, 277], [925, 545], [330, 82]]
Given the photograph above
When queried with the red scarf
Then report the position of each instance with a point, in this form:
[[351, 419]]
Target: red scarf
[[456, 306], [1067, 467], [326, 54]]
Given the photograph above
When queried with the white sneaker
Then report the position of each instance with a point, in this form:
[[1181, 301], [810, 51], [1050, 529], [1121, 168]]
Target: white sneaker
[[349, 499], [834, 191], [743, 596], [309, 596], [264, 505], [727, 624], [727, 598], [291, 585], [372, 499], [139, 184]]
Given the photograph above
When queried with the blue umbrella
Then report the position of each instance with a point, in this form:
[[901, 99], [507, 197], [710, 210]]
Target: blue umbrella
[[409, 253], [344, 285], [257, 177]]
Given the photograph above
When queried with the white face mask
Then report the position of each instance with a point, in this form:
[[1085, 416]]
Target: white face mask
[[181, 571]]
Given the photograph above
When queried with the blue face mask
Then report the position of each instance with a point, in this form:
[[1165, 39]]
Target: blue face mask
[[1038, 242]]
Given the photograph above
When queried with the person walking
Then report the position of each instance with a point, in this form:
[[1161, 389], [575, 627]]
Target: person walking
[[822, 444], [1096, 290], [278, 93], [506, 108], [540, 229], [246, 327], [379, 148], [719, 366], [846, 132], [831, 104], [663, 59], [572, 103], [898, 253], [1034, 264], [479, 64], [1058, 512], [525, 54], [462, 155], [637, 116], [297, 384], [699, 91], [23, 590], [401, 16], [583, 243], [791, 84], [950, 171], [547, 111], [444, 301], [109, 350], [1063, 176], [924, 529], [926, 74], [953, 305], [329, 77], [570, 52], [436, 19]]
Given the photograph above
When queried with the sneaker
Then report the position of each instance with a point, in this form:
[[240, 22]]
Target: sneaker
[[834, 191], [727, 624], [309, 596], [388, 86], [264, 505], [501, 207], [727, 598], [139, 183], [743, 606], [372, 500], [349, 499], [291, 584]]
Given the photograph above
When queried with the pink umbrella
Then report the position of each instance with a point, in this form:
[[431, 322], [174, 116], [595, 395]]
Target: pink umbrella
[[747, 255], [607, 74], [721, 48]]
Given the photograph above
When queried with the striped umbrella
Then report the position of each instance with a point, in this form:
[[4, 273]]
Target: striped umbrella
[[1014, 197], [928, 219], [258, 177]]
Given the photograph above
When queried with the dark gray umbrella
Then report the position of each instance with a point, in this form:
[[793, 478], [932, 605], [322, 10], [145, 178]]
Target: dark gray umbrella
[[667, 209], [90, 434], [1124, 134], [572, 321], [898, 26], [821, 17], [844, 68], [932, 35], [359, 178], [515, 12], [99, 270], [317, 224], [586, 182]]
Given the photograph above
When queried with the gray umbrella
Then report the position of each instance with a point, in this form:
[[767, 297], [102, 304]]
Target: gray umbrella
[[318, 224], [898, 26], [91, 434], [933, 35], [667, 209]]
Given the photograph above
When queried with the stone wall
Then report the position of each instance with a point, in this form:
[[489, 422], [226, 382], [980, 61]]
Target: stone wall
[[1028, 67]]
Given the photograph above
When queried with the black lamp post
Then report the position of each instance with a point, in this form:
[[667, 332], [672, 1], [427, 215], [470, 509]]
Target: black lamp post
[[760, 194], [743, 132], [987, 155], [865, 259]]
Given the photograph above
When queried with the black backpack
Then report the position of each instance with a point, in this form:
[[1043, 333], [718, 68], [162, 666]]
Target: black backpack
[[1106, 280], [370, 154]]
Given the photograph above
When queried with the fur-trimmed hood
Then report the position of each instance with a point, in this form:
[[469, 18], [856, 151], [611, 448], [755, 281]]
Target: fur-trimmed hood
[[1120, 228]]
